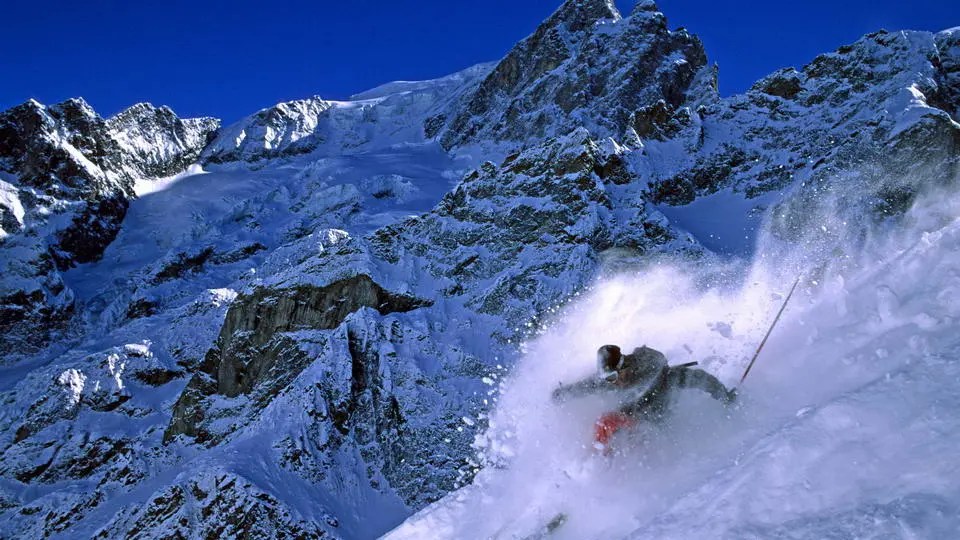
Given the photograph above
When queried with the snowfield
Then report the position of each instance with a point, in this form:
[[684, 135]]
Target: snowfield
[[845, 428]]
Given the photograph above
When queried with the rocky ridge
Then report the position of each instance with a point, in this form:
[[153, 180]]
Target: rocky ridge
[[156, 143], [585, 66], [339, 387], [385, 116]]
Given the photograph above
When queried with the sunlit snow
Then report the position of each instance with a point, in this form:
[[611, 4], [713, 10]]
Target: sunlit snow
[[146, 186], [844, 430]]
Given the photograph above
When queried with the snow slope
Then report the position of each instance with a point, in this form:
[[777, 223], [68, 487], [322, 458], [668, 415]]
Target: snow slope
[[844, 430]]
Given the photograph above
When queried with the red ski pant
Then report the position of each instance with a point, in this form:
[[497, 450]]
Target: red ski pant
[[609, 424]]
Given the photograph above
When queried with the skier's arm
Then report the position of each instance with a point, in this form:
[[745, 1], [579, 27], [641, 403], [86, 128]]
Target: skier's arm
[[698, 378], [585, 387]]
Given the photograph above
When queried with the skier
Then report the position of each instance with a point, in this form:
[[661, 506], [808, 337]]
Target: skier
[[643, 383]]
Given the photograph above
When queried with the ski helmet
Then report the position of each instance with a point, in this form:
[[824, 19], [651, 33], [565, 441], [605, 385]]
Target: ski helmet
[[609, 361]]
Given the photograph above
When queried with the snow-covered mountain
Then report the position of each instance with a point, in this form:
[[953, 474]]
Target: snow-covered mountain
[[67, 177], [321, 319], [585, 66], [156, 143], [390, 115]]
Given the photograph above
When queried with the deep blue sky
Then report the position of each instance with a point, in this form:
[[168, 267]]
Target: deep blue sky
[[229, 58]]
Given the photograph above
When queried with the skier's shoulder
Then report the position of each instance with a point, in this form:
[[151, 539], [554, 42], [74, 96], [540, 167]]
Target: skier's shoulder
[[646, 356], [644, 351]]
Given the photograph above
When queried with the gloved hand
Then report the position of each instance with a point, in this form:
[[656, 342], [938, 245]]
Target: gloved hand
[[558, 394], [732, 396]]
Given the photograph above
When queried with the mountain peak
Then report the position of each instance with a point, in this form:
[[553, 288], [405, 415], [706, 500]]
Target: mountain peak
[[645, 6], [156, 142], [32, 104], [583, 67], [577, 15], [76, 106]]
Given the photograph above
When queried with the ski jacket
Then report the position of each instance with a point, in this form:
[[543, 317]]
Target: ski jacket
[[645, 389]]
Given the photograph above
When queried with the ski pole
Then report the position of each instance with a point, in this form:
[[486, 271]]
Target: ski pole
[[688, 364], [769, 331]]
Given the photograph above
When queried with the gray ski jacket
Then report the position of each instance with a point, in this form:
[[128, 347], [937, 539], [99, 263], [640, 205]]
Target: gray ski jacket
[[645, 389]]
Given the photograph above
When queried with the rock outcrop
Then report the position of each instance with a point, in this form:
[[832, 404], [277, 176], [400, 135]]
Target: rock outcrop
[[68, 193], [254, 353], [346, 359], [828, 126], [252, 322], [215, 505], [515, 240]]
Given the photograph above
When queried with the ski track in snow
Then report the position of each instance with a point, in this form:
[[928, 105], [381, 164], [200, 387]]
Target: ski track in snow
[[846, 428]]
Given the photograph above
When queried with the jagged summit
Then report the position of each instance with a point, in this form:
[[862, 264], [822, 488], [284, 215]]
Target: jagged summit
[[584, 66], [269, 131], [141, 111], [70, 175], [577, 15], [645, 6], [157, 142], [74, 104]]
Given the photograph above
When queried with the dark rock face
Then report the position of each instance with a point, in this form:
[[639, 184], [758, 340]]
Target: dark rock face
[[63, 162], [508, 232], [785, 84], [252, 354], [375, 417], [368, 401], [64, 151], [104, 458], [185, 263], [584, 66], [253, 321], [829, 120], [947, 62], [28, 136], [28, 321], [91, 232], [332, 353]]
